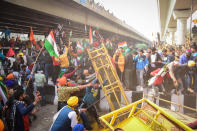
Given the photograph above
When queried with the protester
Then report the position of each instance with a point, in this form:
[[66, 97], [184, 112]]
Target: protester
[[120, 62], [72, 71], [66, 118], [184, 58], [164, 57], [19, 108], [171, 55], [40, 81], [129, 71], [64, 91], [141, 66], [154, 60]]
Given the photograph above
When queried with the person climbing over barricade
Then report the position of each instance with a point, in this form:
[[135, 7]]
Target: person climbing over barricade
[[90, 97]]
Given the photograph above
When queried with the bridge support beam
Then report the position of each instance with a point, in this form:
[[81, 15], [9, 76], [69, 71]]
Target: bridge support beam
[[181, 16], [172, 33]]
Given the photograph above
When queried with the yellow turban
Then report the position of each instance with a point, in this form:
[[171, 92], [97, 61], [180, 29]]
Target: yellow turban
[[20, 54], [72, 101], [1, 78], [191, 63]]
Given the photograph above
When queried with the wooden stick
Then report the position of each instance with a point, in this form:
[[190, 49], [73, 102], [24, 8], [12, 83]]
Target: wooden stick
[[34, 65]]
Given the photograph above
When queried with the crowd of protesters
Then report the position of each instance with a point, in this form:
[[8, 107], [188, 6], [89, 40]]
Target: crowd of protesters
[[25, 74], [177, 64]]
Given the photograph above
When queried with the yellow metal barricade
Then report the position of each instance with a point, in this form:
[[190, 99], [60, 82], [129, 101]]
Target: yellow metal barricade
[[142, 115], [103, 66]]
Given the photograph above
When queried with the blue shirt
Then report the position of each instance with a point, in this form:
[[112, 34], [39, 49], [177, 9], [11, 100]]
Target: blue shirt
[[141, 61], [183, 59], [2, 57], [89, 98], [21, 110], [171, 58], [7, 33]]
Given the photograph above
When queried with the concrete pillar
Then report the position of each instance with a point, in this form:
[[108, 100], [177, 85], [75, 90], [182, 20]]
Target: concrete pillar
[[172, 32], [181, 16]]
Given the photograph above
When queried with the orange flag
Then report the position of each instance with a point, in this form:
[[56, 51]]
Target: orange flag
[[32, 39], [90, 36]]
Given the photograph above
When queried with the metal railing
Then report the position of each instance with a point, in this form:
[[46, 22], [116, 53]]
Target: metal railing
[[149, 114]]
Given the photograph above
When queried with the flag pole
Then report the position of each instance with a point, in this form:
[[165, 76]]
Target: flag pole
[[34, 66], [69, 36]]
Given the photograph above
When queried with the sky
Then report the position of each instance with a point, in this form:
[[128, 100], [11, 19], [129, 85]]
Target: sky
[[142, 15]]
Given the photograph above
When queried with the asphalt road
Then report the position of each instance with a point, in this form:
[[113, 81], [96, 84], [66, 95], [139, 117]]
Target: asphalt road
[[44, 118]]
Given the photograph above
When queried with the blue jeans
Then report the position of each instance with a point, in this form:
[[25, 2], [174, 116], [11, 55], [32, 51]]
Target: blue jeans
[[140, 76], [188, 81], [46, 71], [85, 120]]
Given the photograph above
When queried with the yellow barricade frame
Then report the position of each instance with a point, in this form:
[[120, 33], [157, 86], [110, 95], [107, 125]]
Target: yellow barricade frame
[[109, 119], [112, 87]]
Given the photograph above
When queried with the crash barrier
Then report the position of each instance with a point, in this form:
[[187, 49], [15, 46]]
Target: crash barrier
[[105, 71], [142, 115]]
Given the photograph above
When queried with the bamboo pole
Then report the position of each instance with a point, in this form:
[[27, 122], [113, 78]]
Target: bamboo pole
[[34, 65]]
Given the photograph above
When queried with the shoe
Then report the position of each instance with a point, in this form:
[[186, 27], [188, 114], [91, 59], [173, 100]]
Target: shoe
[[190, 90]]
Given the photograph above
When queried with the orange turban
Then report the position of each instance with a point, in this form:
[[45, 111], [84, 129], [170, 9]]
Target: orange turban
[[62, 81], [10, 76]]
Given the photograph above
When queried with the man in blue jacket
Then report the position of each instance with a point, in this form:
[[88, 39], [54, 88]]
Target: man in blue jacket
[[184, 58], [141, 66], [66, 118]]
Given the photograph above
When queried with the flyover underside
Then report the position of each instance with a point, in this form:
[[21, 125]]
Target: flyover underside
[[20, 19], [42, 13]]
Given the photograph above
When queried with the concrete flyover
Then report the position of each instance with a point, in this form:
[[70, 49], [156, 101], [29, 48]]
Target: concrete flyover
[[83, 14], [173, 15]]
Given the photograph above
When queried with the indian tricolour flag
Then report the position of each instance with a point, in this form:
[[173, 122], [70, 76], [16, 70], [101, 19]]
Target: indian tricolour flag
[[122, 45], [3, 92], [51, 46], [79, 46]]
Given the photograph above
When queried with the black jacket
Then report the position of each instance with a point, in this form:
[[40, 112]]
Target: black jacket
[[129, 63]]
